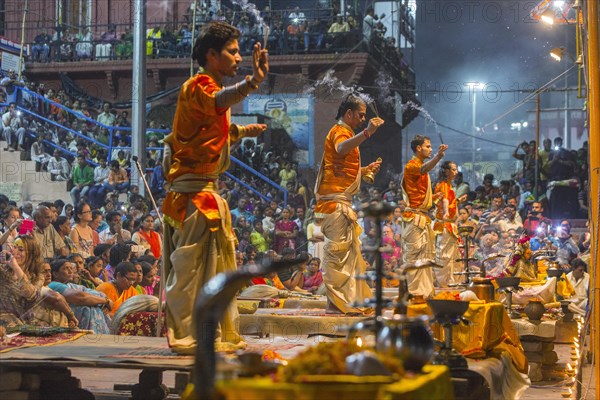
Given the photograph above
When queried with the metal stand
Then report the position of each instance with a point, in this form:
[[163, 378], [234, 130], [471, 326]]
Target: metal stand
[[448, 313], [464, 232], [508, 285], [378, 211]]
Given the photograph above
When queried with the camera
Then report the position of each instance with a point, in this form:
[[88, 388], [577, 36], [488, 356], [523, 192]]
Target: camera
[[4, 257]]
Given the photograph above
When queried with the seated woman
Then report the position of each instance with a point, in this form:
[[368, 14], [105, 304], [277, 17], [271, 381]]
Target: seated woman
[[23, 297], [90, 307], [140, 278], [150, 283], [90, 275], [147, 237], [313, 277], [121, 287], [149, 278]]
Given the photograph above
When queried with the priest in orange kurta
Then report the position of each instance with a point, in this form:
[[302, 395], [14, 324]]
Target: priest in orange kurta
[[338, 180], [198, 238], [418, 237], [446, 240]]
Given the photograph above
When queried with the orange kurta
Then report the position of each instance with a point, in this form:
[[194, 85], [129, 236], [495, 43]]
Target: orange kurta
[[339, 171], [200, 148], [110, 290], [446, 189], [415, 186]]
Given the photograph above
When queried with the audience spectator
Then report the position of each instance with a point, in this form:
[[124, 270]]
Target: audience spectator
[[105, 44], [62, 225], [83, 179], [41, 48], [106, 117], [89, 306], [580, 280], [59, 167], [14, 129], [52, 245], [146, 237], [82, 233], [286, 232], [84, 44], [121, 288]]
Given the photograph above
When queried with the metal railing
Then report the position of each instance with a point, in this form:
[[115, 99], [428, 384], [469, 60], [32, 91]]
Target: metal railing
[[109, 148]]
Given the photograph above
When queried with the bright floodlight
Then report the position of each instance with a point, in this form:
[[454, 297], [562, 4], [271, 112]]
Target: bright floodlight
[[557, 53], [559, 4], [475, 85], [548, 17]]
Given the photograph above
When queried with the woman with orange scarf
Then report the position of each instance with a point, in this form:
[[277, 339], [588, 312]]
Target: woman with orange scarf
[[147, 237]]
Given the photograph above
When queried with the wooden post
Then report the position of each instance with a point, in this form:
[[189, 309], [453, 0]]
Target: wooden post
[[537, 147], [591, 8]]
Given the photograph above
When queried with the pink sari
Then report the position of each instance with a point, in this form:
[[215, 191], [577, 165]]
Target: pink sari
[[314, 280]]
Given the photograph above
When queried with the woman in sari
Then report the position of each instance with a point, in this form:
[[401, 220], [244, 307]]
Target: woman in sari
[[121, 287], [149, 278], [90, 307], [313, 277], [147, 237], [286, 232]]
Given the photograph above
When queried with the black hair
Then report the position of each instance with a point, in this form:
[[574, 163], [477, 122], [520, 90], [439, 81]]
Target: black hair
[[418, 140], [578, 262], [57, 264], [350, 102], [146, 267], [444, 169], [101, 248], [79, 208], [118, 253], [214, 35], [61, 219], [109, 216], [147, 258], [91, 261], [125, 267]]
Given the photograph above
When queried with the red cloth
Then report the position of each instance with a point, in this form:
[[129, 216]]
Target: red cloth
[[259, 281], [141, 324]]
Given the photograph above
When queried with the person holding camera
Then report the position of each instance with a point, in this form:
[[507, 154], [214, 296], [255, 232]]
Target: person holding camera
[[534, 217], [14, 130], [528, 158]]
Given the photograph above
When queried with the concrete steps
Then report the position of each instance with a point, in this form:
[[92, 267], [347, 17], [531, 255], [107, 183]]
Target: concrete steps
[[20, 182]]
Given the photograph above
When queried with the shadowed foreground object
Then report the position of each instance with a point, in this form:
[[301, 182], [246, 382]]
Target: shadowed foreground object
[[214, 298]]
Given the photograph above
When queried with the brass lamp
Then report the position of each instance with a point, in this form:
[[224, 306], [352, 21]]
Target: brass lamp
[[369, 177]]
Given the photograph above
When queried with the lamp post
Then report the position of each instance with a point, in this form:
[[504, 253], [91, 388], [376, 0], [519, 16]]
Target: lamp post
[[473, 98]]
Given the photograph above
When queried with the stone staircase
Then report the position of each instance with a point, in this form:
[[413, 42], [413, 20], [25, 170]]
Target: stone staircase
[[20, 182]]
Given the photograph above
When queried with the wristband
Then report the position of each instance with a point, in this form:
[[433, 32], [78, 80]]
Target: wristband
[[366, 133]]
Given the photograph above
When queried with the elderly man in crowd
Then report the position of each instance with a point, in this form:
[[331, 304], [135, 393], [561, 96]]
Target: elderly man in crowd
[[52, 245]]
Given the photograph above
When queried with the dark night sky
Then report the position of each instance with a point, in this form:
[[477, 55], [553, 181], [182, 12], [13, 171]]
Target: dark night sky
[[494, 42]]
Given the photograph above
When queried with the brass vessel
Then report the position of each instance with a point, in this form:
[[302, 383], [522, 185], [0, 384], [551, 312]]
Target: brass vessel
[[369, 177]]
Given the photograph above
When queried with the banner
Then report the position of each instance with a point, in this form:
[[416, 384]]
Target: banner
[[292, 112]]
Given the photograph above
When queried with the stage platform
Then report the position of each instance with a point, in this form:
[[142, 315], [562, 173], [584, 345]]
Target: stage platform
[[295, 323]]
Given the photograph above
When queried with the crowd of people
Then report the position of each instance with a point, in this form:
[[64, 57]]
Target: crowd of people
[[287, 31], [112, 248], [85, 235]]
